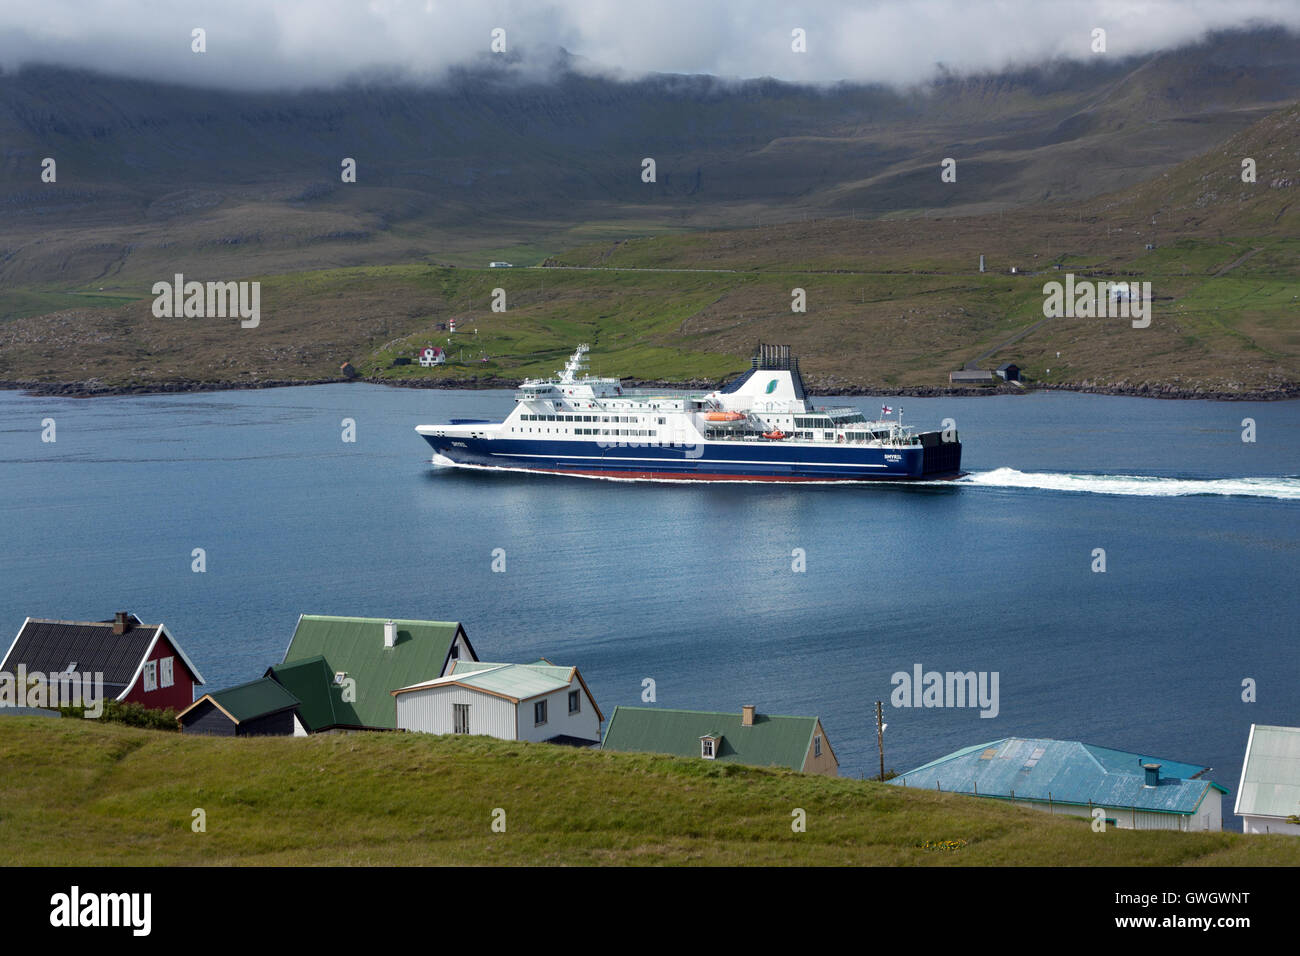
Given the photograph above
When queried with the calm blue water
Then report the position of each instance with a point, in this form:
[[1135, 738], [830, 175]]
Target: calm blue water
[[692, 585]]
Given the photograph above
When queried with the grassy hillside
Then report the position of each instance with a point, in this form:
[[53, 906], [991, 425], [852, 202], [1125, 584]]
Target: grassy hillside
[[87, 793], [1235, 332], [891, 303]]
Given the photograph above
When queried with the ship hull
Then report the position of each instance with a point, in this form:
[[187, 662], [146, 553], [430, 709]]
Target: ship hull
[[710, 461]]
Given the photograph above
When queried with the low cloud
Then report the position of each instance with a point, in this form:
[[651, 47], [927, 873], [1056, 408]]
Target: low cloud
[[266, 44]]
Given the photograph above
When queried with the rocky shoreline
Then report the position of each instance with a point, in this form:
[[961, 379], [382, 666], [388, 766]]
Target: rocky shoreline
[[95, 388]]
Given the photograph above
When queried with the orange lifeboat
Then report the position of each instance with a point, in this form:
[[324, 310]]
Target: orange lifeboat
[[724, 417], [774, 436]]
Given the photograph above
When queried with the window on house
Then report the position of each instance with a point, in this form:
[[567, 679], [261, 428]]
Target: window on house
[[575, 702], [706, 748], [539, 713], [455, 650], [460, 718], [151, 675], [817, 745], [165, 672]]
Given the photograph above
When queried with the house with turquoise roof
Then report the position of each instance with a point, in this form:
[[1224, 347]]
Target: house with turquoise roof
[[1122, 789]]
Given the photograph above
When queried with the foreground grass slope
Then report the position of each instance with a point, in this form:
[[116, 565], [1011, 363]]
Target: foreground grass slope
[[86, 793]]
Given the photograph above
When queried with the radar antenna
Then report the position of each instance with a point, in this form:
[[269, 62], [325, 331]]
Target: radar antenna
[[577, 363]]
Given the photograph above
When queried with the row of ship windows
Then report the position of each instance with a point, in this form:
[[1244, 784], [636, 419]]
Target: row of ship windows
[[639, 432], [827, 423], [584, 418]]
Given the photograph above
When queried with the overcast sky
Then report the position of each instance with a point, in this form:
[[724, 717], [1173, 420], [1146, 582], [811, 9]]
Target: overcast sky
[[273, 43]]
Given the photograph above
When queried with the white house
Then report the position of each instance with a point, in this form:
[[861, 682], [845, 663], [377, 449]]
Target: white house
[[1269, 794], [432, 355], [538, 702]]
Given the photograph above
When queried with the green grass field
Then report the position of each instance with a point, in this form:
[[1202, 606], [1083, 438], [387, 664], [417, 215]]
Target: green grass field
[[78, 792], [1237, 331]]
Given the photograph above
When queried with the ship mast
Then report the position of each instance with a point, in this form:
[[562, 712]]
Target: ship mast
[[577, 363]]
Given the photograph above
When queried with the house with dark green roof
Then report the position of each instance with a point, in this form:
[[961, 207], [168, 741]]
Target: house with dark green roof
[[260, 708], [747, 737], [343, 670]]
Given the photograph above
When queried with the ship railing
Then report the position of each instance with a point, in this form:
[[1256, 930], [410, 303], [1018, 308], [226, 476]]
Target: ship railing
[[899, 441]]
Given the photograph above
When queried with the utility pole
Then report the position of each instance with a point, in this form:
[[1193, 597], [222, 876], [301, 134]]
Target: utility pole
[[880, 738]]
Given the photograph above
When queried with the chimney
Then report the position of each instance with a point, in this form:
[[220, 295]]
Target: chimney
[[747, 715], [390, 634], [121, 623], [1153, 774]]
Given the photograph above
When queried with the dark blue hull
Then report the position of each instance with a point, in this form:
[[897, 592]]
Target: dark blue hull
[[712, 461]]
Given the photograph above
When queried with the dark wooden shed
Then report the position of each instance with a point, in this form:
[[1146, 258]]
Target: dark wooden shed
[[260, 708]]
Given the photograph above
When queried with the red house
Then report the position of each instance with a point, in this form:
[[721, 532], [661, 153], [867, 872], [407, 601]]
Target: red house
[[139, 663]]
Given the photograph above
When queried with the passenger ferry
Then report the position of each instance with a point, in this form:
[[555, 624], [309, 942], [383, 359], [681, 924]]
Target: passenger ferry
[[758, 427]]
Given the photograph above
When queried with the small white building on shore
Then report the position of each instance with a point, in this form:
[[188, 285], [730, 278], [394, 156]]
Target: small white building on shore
[[537, 702], [1268, 799]]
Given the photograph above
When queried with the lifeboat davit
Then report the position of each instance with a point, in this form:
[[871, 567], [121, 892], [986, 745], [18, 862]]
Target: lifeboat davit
[[724, 417], [774, 436]]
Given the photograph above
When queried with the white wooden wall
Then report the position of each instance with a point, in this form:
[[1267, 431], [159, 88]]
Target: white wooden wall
[[430, 711], [1208, 817], [1252, 824], [584, 724]]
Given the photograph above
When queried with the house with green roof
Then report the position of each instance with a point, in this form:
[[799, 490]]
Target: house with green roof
[[344, 670], [1268, 798], [260, 708], [540, 701], [747, 737]]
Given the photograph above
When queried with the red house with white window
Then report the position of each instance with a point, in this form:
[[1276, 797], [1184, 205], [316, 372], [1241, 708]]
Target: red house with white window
[[139, 663]]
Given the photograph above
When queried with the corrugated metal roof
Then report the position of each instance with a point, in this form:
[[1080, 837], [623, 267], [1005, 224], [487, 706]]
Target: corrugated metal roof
[[772, 741], [520, 681], [355, 645], [1063, 771], [1270, 777], [254, 699], [52, 646], [321, 703]]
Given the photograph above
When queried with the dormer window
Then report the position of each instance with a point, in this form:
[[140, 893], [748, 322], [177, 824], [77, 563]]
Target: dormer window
[[709, 746]]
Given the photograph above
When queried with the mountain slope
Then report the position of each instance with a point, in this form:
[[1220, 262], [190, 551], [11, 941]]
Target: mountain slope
[[155, 179]]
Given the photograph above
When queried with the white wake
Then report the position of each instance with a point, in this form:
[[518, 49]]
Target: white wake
[[1281, 488]]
